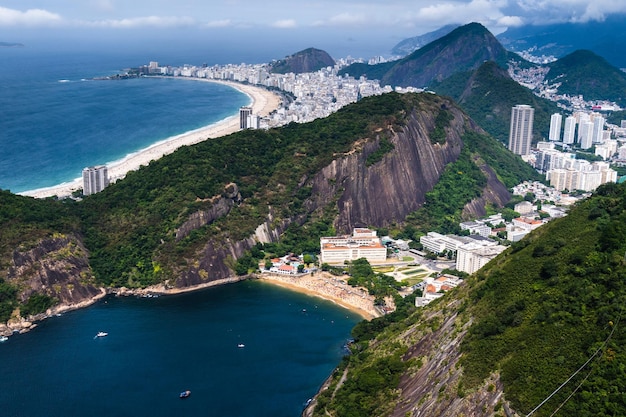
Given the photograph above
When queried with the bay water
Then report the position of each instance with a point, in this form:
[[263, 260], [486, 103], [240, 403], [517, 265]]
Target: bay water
[[158, 347]]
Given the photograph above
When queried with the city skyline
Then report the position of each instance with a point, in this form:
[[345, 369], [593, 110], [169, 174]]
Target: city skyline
[[369, 26]]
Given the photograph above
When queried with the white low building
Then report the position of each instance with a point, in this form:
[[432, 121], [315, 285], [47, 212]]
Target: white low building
[[363, 243], [471, 257]]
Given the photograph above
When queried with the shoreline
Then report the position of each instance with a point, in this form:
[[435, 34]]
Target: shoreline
[[330, 288], [262, 101], [319, 284]]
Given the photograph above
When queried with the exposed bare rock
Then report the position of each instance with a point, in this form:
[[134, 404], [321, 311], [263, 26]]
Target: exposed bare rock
[[57, 267], [434, 386], [387, 191], [221, 205]]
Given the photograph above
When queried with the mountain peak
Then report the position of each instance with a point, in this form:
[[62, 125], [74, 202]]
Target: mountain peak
[[307, 60]]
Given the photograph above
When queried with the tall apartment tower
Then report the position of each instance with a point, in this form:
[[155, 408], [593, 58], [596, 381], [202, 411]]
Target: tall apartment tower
[[521, 133], [585, 134], [244, 113], [95, 179], [555, 127], [569, 130], [598, 129]]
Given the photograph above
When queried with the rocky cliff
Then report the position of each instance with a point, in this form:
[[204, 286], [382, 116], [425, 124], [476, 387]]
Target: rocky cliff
[[56, 268], [365, 194]]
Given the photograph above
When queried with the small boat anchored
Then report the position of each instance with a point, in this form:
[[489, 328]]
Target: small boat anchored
[[101, 334], [241, 345], [3, 338], [185, 394]]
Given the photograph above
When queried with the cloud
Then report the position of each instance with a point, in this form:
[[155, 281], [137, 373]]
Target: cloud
[[138, 22], [576, 11], [510, 21], [31, 17], [284, 24], [343, 20], [219, 23]]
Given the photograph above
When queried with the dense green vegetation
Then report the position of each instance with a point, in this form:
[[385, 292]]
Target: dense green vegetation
[[616, 117], [546, 306], [488, 94], [37, 303], [583, 72], [384, 146], [373, 377], [463, 181], [548, 309]]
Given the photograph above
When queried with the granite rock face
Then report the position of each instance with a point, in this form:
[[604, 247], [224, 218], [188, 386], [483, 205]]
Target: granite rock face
[[366, 194], [57, 267]]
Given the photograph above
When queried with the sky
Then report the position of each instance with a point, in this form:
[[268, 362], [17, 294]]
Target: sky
[[338, 26]]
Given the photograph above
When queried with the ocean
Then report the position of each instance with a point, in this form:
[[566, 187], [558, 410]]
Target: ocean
[[54, 121], [159, 347]]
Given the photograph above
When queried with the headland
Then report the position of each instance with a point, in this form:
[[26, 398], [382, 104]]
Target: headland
[[263, 102]]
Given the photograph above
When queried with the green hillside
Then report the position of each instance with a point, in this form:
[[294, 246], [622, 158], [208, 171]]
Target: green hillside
[[583, 72], [463, 49], [130, 228], [488, 94], [551, 303], [547, 311]]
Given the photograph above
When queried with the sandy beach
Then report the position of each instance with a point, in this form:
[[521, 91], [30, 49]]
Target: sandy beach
[[328, 287], [263, 102]]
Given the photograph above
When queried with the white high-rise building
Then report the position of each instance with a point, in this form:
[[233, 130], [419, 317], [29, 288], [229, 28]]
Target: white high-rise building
[[585, 135], [244, 112], [95, 179], [569, 130], [598, 129], [521, 132], [555, 127]]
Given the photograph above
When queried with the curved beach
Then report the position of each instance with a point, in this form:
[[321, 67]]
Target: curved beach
[[263, 102]]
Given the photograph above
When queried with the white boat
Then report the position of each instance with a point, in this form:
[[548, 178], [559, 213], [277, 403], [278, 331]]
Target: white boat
[[241, 345], [101, 334], [3, 338]]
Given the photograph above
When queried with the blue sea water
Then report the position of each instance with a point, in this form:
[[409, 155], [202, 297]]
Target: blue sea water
[[55, 119], [158, 347]]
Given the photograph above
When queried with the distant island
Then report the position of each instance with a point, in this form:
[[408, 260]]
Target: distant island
[[11, 45]]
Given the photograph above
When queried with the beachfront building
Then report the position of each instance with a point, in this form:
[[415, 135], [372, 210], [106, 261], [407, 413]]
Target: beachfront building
[[363, 243], [244, 113], [95, 179]]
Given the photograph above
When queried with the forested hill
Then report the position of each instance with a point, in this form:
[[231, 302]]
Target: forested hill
[[308, 60], [463, 49], [584, 72], [548, 309], [214, 210], [488, 93]]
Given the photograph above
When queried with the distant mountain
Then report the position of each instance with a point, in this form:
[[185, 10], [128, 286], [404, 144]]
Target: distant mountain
[[308, 60], [606, 38], [11, 45], [463, 49], [411, 45], [584, 72], [488, 94]]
